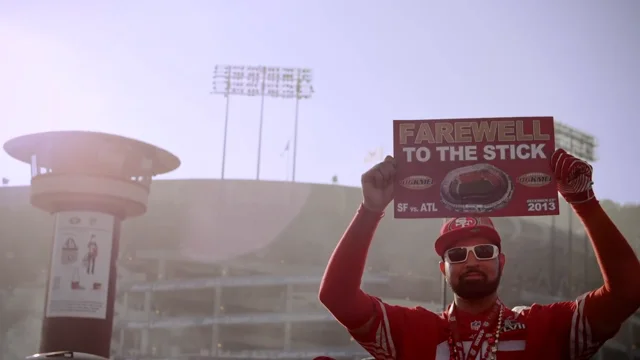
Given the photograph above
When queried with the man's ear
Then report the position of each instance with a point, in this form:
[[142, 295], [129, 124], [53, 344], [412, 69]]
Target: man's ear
[[501, 260], [442, 270]]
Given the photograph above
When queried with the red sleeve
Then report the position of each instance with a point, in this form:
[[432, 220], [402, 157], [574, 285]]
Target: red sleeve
[[388, 333], [340, 289], [596, 317], [380, 328], [619, 297], [579, 323]]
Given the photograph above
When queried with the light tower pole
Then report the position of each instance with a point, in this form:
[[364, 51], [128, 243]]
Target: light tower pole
[[262, 81], [91, 182]]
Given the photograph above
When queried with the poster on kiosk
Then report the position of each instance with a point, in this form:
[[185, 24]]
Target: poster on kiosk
[[474, 167]]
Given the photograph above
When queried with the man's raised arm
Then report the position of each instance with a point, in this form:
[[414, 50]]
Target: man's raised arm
[[619, 297], [340, 288], [597, 316]]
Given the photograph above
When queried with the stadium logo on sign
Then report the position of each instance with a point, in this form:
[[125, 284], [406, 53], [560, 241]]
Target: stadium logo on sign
[[534, 179], [417, 182]]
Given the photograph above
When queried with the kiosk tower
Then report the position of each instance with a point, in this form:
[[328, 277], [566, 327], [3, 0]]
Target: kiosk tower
[[91, 182]]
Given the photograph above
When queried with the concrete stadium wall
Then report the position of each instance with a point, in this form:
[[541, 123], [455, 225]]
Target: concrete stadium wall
[[265, 222]]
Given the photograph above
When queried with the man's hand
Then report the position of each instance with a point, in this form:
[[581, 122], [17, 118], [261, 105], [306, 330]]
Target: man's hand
[[377, 185], [574, 177]]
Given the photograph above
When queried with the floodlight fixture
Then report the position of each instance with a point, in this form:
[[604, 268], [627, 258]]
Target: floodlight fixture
[[576, 142], [262, 81]]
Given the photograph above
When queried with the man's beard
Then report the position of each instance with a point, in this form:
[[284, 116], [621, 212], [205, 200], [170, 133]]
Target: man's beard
[[476, 288]]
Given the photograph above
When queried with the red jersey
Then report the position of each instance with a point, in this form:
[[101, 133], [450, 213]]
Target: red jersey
[[556, 331], [567, 330]]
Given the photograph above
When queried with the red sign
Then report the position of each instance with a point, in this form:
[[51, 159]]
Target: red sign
[[467, 167]]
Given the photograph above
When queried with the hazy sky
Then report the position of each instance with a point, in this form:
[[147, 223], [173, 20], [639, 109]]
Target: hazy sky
[[143, 69]]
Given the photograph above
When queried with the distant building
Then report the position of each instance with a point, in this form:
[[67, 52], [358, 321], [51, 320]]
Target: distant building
[[231, 269]]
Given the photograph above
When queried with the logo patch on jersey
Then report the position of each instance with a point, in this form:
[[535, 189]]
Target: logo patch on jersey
[[475, 326], [510, 324]]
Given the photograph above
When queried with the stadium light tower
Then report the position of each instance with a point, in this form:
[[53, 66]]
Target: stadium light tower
[[91, 182], [578, 143], [262, 81]]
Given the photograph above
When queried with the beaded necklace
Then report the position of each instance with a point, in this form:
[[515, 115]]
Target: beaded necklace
[[456, 348]]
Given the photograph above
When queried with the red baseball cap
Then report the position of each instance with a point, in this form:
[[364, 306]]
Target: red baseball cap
[[463, 227]]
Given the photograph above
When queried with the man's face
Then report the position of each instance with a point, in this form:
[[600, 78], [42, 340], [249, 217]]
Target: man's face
[[473, 278]]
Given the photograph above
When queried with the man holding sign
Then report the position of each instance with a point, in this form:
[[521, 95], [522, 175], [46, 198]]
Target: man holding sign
[[477, 325]]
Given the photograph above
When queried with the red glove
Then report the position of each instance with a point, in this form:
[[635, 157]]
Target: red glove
[[574, 177]]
